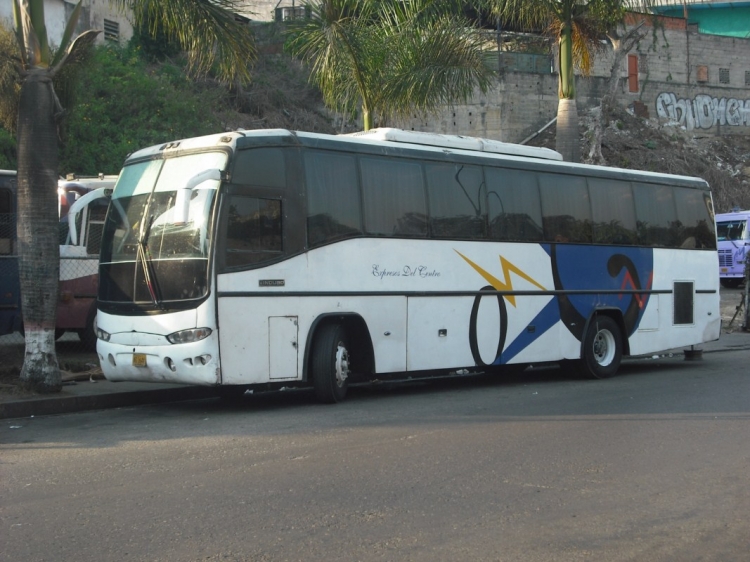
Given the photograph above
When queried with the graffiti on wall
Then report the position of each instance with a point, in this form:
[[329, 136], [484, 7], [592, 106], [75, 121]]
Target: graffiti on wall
[[703, 111]]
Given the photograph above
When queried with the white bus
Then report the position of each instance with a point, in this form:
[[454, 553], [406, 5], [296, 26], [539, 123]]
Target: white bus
[[284, 258], [733, 235]]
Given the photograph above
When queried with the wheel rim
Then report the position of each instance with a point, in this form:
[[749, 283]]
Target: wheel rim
[[342, 364], [604, 347]]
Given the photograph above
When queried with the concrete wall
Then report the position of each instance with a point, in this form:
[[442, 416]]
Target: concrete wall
[[671, 87]]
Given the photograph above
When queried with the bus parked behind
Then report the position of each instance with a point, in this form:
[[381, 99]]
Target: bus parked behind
[[82, 206], [733, 236]]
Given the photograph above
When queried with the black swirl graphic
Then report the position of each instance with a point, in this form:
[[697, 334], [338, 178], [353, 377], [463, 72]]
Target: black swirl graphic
[[503, 312]]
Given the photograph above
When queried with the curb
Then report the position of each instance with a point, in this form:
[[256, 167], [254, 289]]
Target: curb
[[69, 404]]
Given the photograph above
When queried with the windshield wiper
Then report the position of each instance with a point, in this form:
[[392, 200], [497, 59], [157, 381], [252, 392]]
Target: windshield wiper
[[144, 255]]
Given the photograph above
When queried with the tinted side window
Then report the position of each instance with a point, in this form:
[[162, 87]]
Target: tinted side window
[[515, 211], [566, 210], [333, 200], [694, 218], [394, 198], [97, 214], [655, 214], [613, 211], [456, 197], [261, 167], [7, 222], [254, 233]]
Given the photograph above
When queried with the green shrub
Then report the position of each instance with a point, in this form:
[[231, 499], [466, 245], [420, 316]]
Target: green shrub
[[121, 104], [7, 151]]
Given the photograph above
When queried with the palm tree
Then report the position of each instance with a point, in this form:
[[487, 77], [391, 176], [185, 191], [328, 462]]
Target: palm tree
[[389, 58], [212, 37], [39, 259], [578, 27], [205, 29]]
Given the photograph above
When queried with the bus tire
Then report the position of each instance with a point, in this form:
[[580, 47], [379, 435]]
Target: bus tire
[[329, 363], [601, 351], [87, 335]]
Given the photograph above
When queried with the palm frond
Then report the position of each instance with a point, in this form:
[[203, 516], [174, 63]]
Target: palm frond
[[206, 29]]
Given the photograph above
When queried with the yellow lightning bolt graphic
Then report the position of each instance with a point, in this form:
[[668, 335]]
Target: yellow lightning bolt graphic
[[506, 285]]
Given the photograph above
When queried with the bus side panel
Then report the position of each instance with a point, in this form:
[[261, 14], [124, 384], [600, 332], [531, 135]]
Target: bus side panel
[[675, 266], [246, 345], [437, 337], [77, 294]]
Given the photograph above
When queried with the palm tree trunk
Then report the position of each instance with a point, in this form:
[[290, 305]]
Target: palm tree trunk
[[38, 244], [567, 142]]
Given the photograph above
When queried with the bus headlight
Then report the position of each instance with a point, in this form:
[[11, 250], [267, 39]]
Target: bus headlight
[[101, 334], [189, 336]]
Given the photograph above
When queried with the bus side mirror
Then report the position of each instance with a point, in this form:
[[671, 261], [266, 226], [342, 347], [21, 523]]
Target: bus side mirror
[[182, 199]]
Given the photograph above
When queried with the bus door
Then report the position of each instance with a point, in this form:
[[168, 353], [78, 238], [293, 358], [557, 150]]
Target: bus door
[[262, 222]]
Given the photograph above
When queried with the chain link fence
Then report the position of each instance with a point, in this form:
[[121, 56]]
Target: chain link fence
[[76, 305]]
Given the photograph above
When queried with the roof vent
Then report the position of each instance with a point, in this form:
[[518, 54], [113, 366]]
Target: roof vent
[[457, 142]]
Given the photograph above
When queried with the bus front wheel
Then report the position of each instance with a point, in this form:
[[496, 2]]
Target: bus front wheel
[[602, 348], [329, 364]]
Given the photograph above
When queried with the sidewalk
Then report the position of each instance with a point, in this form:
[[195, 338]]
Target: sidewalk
[[101, 394]]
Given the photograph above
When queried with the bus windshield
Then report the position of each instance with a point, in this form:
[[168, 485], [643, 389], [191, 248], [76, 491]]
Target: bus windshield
[[158, 232]]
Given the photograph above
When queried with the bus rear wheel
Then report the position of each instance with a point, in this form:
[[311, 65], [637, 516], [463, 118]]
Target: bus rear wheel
[[601, 349], [329, 363]]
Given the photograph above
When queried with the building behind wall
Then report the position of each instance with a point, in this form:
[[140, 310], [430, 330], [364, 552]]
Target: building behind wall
[[95, 14]]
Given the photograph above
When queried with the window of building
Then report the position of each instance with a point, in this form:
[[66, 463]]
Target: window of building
[[701, 73], [633, 85], [723, 76], [747, 78], [290, 13], [111, 30]]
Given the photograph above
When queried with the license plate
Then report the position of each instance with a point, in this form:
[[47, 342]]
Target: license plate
[[139, 360], [724, 269]]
